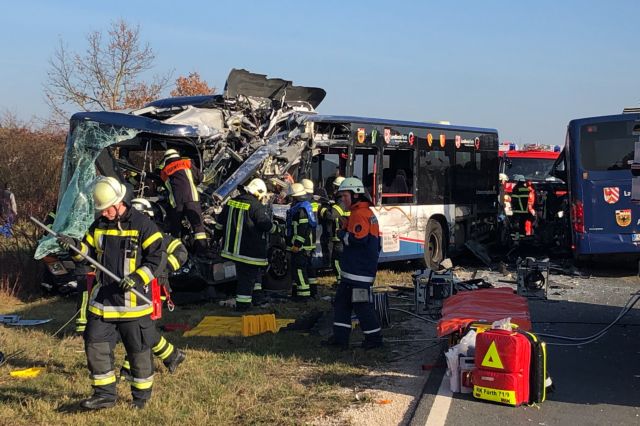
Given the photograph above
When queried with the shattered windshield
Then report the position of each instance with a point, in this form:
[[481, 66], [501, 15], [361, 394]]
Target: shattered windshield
[[75, 211]]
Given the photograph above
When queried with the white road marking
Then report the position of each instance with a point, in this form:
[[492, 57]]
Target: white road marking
[[440, 408]]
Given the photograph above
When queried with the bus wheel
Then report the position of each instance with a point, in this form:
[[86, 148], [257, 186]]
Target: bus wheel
[[278, 276], [433, 245]]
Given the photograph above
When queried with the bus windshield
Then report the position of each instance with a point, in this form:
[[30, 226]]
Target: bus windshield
[[607, 146], [530, 168]]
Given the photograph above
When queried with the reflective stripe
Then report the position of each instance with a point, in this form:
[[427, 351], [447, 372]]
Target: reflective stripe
[[360, 278], [341, 324], [152, 239], [145, 273], [239, 205], [239, 224], [142, 384], [173, 262], [125, 364], [160, 344], [218, 226], [302, 285], [200, 236], [83, 308], [90, 241], [303, 221], [257, 286], [84, 249], [372, 331], [166, 353], [194, 190], [119, 312], [338, 270], [243, 298], [103, 379], [245, 259], [298, 238], [172, 200], [173, 245]]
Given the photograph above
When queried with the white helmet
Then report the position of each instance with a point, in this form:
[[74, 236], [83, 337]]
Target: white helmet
[[338, 181], [108, 192], [257, 187], [142, 205], [352, 184], [168, 155], [502, 177], [296, 190], [308, 185]]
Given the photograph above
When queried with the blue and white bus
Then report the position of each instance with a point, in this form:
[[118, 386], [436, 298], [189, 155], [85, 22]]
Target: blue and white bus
[[433, 185]]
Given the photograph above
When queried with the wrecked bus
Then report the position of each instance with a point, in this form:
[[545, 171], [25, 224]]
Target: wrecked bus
[[430, 182], [596, 166]]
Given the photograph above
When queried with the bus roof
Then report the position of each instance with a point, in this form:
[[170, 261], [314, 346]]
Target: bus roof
[[320, 118], [604, 118]]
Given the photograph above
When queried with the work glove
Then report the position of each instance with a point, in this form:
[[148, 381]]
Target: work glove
[[66, 242], [127, 283], [295, 249]]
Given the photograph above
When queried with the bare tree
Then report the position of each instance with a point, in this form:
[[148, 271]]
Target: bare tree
[[107, 76]]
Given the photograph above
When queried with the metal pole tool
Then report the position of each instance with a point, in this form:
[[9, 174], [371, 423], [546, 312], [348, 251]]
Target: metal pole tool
[[91, 260]]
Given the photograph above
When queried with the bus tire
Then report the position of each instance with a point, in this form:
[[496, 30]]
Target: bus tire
[[434, 250]]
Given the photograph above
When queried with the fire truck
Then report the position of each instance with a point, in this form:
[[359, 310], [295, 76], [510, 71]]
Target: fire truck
[[533, 203]]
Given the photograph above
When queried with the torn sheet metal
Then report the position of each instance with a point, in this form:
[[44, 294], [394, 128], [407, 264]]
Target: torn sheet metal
[[16, 320]]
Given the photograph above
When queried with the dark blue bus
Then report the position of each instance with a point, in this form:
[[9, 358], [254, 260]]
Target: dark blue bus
[[596, 165]]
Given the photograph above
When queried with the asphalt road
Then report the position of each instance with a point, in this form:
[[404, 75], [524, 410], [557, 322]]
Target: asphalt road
[[595, 384]]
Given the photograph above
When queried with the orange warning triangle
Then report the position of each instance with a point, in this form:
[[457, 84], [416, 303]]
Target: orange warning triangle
[[491, 358]]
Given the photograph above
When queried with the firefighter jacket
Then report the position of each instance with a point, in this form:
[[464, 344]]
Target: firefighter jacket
[[301, 226], [331, 218], [245, 222], [359, 261], [177, 253], [523, 199], [130, 247], [181, 177]]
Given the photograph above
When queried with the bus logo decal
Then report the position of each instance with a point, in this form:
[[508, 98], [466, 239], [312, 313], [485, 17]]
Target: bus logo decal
[[412, 138], [477, 142], [361, 135], [623, 217], [443, 140], [387, 135], [458, 141], [374, 136], [429, 139], [611, 194]]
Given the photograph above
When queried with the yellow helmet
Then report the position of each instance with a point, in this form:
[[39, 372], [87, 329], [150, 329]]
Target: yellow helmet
[[296, 190], [337, 181], [308, 185], [257, 187], [108, 192]]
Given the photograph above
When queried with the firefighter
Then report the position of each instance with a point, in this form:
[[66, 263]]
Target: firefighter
[[523, 199], [180, 177], [300, 227], [245, 222], [176, 256], [312, 272], [334, 216], [128, 244], [359, 263]]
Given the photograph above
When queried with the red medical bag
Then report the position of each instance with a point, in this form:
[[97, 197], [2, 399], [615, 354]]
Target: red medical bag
[[503, 362]]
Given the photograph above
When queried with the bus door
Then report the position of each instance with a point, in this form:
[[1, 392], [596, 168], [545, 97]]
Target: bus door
[[397, 209]]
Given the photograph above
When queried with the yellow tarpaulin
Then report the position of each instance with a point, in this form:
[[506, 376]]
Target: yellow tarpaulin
[[26, 373], [247, 325]]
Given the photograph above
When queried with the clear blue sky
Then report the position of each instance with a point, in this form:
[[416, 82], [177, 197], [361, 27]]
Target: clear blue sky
[[525, 68]]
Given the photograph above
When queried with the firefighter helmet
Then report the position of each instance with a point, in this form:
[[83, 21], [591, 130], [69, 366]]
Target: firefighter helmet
[[296, 190], [308, 185], [257, 187], [338, 181], [108, 192], [142, 205], [352, 184]]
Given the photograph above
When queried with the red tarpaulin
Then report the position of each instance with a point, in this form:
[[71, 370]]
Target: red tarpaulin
[[489, 305]]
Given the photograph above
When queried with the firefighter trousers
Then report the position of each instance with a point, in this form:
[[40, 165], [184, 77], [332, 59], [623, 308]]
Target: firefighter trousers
[[343, 306], [161, 348], [193, 213], [336, 254], [249, 278], [300, 278], [100, 339]]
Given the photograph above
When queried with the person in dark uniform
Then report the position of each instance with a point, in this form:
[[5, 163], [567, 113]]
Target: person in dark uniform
[[127, 243], [181, 177], [334, 216], [243, 224]]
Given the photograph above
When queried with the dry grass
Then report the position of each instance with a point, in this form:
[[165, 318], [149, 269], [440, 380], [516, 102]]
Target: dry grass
[[286, 378]]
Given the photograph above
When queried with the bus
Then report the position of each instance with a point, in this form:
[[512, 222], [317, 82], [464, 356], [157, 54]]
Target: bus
[[596, 166], [434, 186]]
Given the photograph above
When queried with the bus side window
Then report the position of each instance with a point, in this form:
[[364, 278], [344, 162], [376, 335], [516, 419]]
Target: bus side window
[[398, 177]]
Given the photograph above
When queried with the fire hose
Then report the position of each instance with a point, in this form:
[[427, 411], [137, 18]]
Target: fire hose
[[91, 260]]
